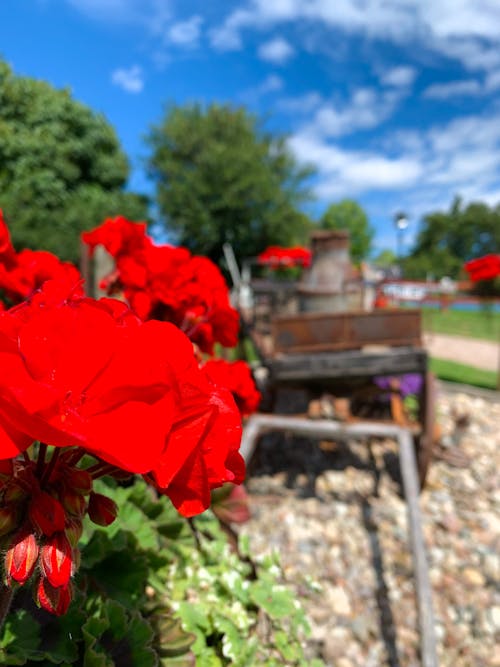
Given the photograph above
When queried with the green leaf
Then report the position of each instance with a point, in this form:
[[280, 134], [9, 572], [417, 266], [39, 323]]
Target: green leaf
[[171, 639], [276, 601], [288, 649], [231, 637], [118, 636]]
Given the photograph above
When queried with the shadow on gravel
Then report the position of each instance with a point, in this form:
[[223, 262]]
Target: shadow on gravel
[[278, 452], [386, 618]]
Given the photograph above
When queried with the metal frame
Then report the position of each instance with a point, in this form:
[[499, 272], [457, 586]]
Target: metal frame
[[261, 423]]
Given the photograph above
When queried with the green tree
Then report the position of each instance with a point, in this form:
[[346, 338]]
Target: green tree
[[61, 167], [348, 214], [385, 258], [221, 178], [446, 240]]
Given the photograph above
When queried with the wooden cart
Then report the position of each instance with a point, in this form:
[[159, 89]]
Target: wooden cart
[[342, 353]]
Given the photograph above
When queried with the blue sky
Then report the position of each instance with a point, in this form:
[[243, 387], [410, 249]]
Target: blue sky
[[395, 102]]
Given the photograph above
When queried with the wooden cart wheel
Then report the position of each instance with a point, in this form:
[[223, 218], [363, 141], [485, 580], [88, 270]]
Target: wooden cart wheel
[[425, 442]]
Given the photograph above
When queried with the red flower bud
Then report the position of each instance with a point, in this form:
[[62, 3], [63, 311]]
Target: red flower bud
[[54, 599], [232, 506], [78, 481], [14, 493], [46, 513], [102, 510], [6, 471], [73, 530], [74, 503], [9, 519], [21, 556], [56, 559]]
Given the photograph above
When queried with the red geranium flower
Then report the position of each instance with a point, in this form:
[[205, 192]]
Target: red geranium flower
[[118, 236], [21, 274], [167, 283], [74, 374], [237, 377], [202, 448]]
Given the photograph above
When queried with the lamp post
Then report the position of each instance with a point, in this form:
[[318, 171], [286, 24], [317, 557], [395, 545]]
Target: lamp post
[[401, 222]]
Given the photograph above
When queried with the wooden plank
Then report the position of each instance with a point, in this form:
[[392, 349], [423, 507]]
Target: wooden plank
[[347, 364], [309, 332]]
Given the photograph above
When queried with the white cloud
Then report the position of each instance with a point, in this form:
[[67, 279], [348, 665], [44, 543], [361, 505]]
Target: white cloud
[[302, 104], [271, 84], [492, 81], [463, 29], [462, 156], [227, 36], [276, 51], [130, 80], [365, 109], [153, 15], [443, 91], [399, 77], [343, 172], [185, 33]]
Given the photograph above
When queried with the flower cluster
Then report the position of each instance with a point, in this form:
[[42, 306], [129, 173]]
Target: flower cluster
[[91, 379], [277, 257], [42, 510], [167, 283], [22, 273], [483, 268]]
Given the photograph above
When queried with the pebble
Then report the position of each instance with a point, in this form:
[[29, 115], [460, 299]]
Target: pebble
[[354, 544]]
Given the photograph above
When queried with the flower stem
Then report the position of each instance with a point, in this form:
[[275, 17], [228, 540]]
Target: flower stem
[[101, 472], [75, 456], [6, 596], [42, 451], [50, 466]]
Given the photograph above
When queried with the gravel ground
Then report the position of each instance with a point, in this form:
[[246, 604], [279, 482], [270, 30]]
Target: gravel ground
[[335, 514]]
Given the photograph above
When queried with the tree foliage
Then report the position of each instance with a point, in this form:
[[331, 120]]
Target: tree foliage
[[348, 214], [385, 258], [447, 240], [221, 178], [61, 167]]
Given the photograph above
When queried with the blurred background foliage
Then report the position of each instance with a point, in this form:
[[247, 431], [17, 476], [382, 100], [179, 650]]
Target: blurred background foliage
[[218, 176], [61, 167], [221, 178]]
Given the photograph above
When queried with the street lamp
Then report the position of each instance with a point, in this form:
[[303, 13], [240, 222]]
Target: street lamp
[[401, 222]]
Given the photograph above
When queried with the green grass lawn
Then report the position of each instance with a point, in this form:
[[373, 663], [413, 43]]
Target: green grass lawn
[[481, 324], [452, 372]]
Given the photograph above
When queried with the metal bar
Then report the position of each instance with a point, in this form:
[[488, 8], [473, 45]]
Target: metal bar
[[232, 264], [411, 486], [323, 428]]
